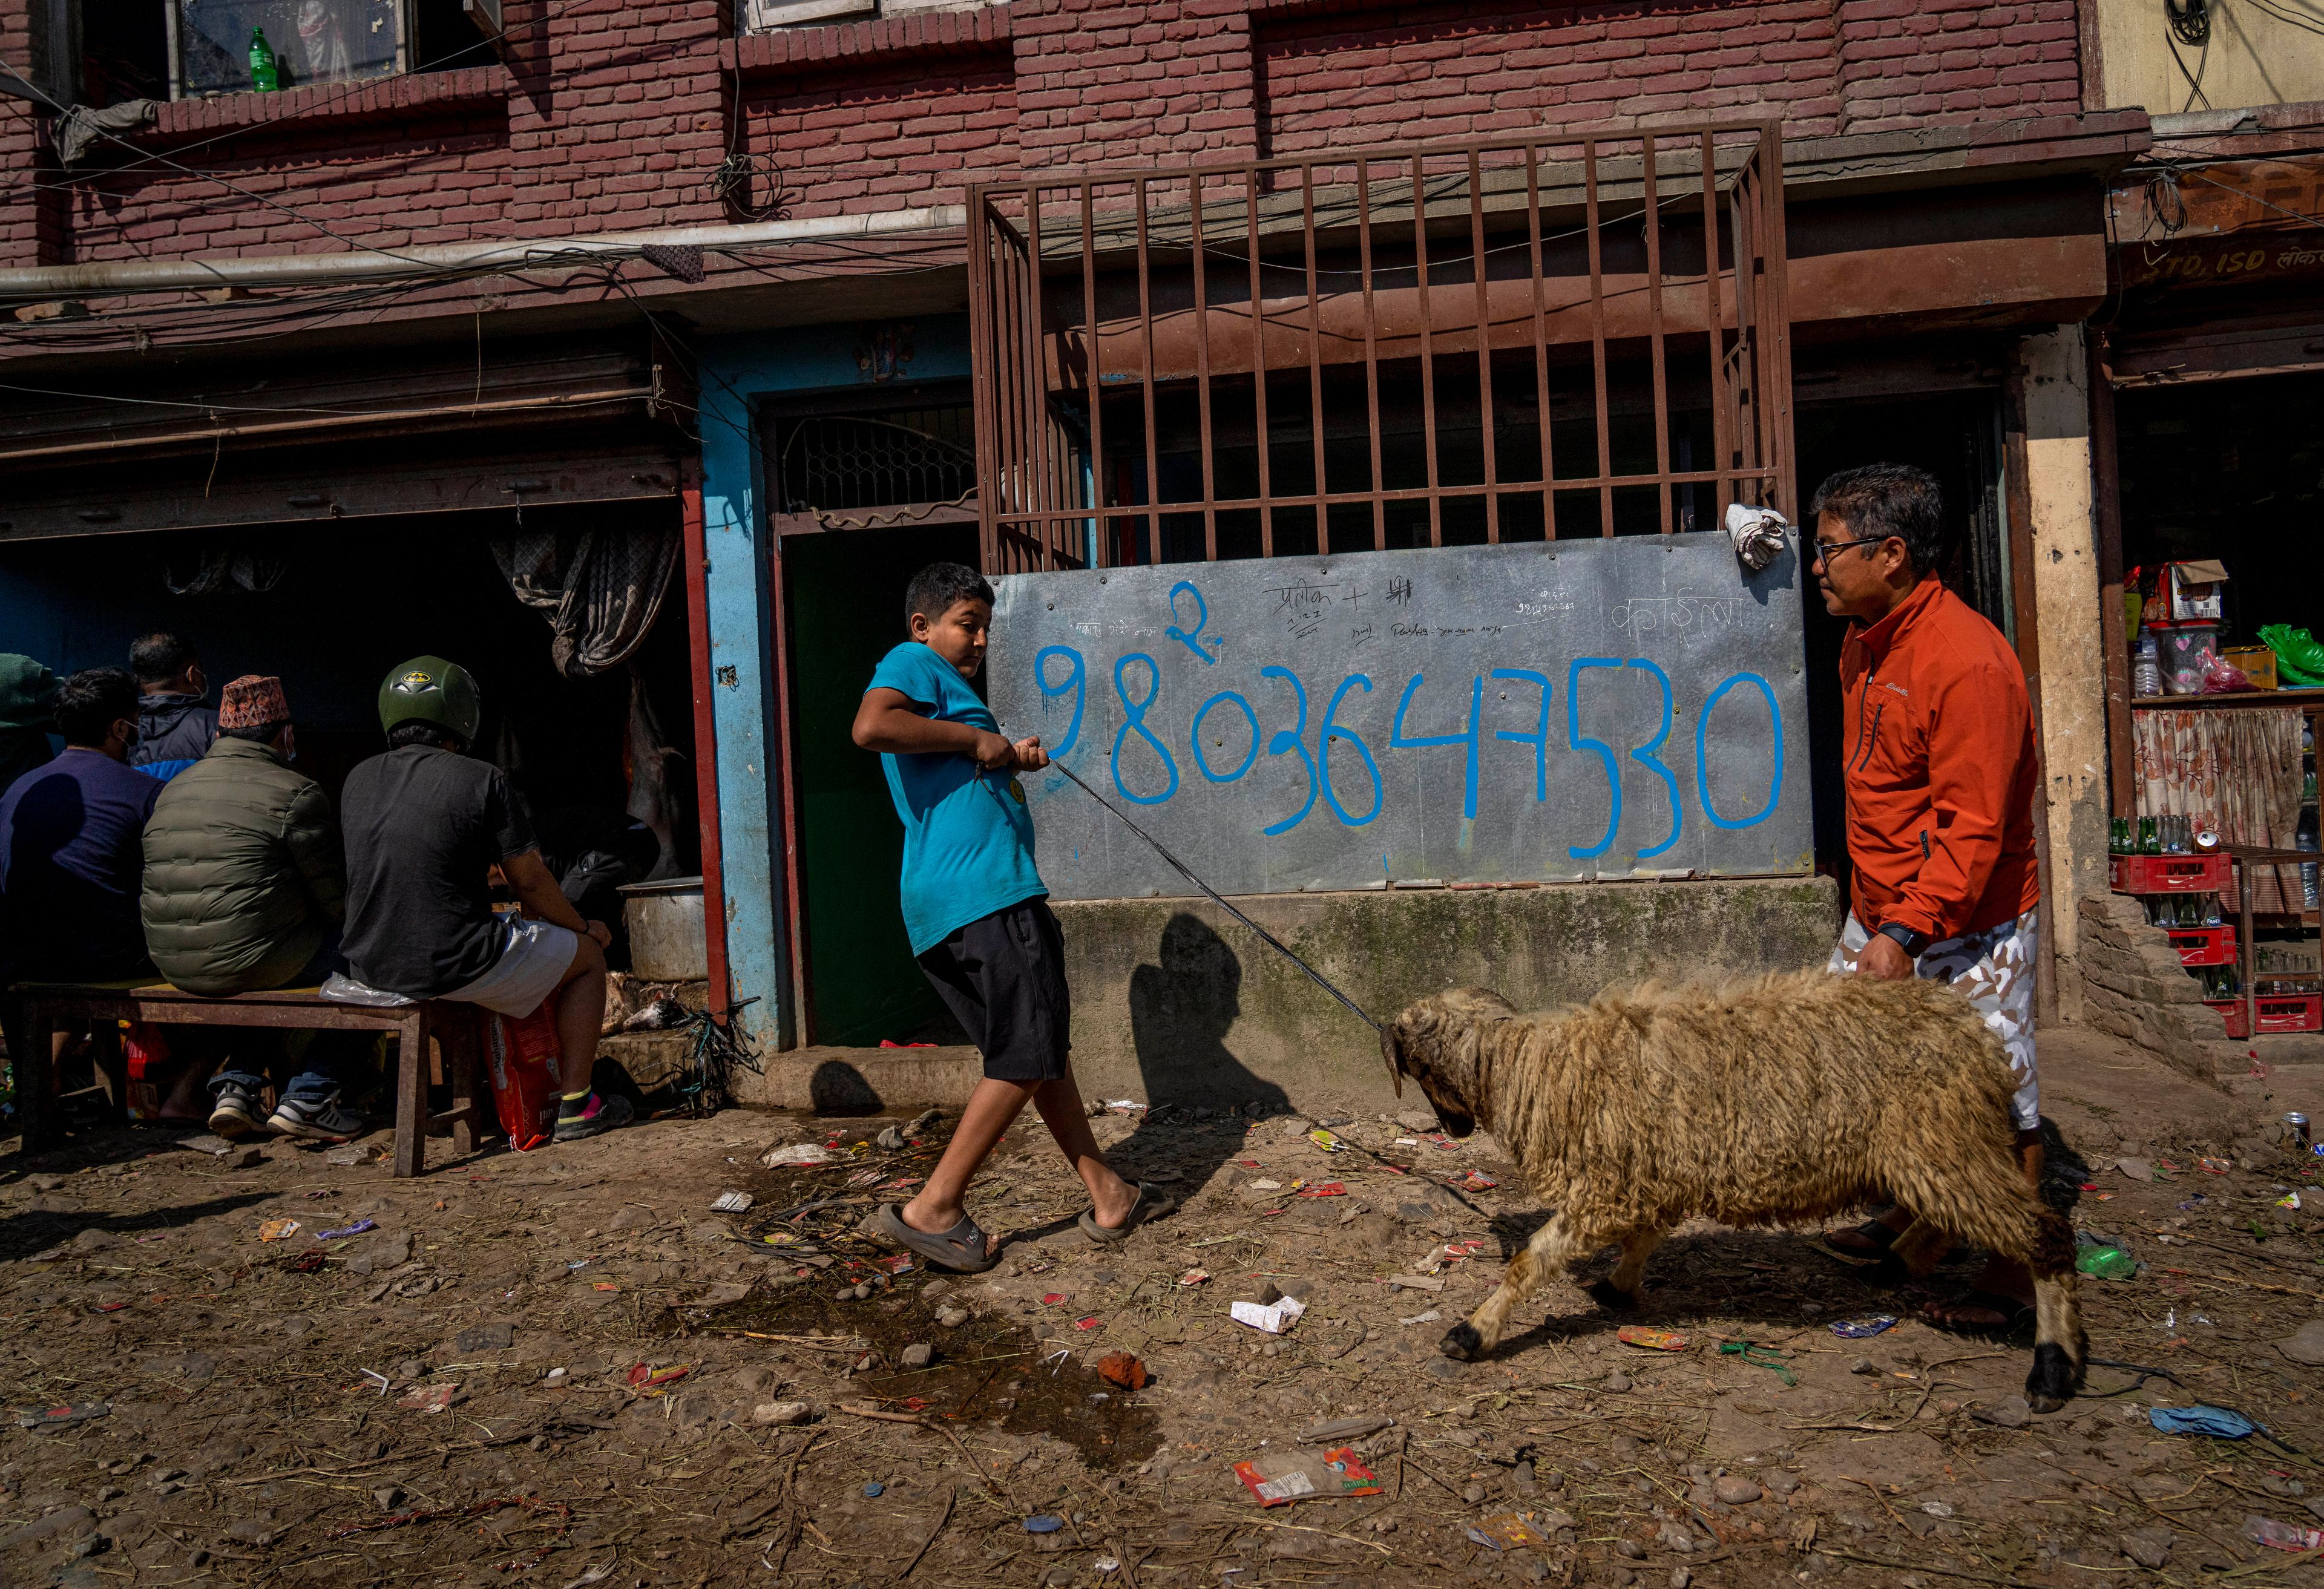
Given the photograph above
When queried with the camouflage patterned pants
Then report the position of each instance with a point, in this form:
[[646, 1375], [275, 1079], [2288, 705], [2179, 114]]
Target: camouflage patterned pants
[[1995, 970]]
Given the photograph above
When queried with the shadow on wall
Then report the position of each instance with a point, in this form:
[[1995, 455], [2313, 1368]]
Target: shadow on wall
[[1180, 1013]]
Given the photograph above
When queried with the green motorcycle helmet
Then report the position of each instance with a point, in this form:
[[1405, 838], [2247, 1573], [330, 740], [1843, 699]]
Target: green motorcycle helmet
[[429, 689]]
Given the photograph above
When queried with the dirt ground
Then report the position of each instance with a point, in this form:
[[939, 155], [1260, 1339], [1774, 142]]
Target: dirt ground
[[480, 1388]]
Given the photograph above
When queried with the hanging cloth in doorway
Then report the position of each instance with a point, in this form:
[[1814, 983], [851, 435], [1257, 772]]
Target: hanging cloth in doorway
[[2234, 772], [600, 588]]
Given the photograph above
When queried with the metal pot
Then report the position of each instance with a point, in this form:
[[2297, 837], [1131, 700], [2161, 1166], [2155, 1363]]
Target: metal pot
[[666, 929]]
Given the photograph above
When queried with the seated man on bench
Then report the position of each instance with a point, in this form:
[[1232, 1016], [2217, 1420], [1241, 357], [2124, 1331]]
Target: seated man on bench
[[70, 848], [245, 889], [425, 825]]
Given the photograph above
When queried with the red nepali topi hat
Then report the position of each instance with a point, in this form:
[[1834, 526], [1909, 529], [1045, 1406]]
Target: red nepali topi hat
[[253, 701]]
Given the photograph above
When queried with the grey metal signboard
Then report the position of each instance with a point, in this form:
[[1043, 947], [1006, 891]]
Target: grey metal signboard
[[1540, 711]]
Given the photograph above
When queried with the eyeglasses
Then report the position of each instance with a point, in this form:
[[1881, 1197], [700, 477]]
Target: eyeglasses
[[1824, 550]]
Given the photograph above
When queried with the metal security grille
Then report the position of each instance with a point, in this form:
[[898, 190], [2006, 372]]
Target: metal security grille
[[836, 462], [1520, 339]]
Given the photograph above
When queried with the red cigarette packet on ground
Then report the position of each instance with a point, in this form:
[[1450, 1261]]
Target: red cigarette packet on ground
[[1284, 1477], [1653, 1340]]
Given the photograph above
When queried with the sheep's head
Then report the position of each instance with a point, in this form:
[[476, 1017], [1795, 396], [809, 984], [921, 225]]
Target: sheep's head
[[1434, 1042]]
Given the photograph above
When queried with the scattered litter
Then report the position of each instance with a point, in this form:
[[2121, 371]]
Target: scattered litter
[[1286, 1476], [733, 1202], [111, 1307], [2197, 1201], [1195, 1277], [1431, 1316], [797, 1152], [1324, 1139], [1474, 1181], [375, 1377], [353, 1154], [1266, 1186], [1274, 1317], [874, 1490], [1653, 1340], [1052, 1299], [1760, 1356], [278, 1230], [57, 1418], [2291, 1200], [2107, 1263], [1408, 1141], [1105, 1563], [1340, 1430], [2261, 1531], [1861, 1329], [1124, 1369], [649, 1381], [1044, 1522], [1092, 1322], [1127, 1105], [603, 1285], [202, 1142], [2198, 1420], [1418, 1282], [429, 1398], [1507, 1530], [357, 1228], [895, 1262], [2216, 1166], [1329, 1189], [1937, 1508]]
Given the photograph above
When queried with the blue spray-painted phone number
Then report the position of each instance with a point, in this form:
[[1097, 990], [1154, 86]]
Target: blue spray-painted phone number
[[1317, 761]]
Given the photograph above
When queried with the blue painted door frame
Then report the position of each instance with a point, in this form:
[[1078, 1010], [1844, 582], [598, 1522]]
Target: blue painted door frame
[[737, 375]]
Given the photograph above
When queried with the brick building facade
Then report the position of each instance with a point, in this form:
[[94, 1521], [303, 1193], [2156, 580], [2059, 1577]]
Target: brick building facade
[[779, 244]]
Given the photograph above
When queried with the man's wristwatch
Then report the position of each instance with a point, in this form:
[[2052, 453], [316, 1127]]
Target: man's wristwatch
[[1915, 944]]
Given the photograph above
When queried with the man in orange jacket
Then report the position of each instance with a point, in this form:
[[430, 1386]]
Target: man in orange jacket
[[1940, 776]]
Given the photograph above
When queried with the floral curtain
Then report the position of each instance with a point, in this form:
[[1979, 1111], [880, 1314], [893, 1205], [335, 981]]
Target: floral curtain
[[2235, 773]]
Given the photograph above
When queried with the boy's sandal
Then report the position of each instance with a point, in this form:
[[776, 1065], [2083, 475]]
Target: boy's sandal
[[964, 1249], [2012, 1315], [1153, 1203]]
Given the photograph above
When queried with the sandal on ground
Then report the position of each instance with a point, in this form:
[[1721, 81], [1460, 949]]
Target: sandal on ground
[[964, 1249], [1878, 1240], [1153, 1203], [2014, 1315]]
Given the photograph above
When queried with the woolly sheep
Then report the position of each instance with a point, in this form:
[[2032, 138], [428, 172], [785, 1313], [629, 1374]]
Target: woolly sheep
[[1768, 1101]]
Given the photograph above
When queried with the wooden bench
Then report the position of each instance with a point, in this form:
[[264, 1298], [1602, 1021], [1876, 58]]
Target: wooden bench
[[457, 1028]]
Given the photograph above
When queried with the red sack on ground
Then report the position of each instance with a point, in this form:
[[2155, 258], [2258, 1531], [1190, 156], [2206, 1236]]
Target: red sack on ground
[[151, 1069], [519, 1052]]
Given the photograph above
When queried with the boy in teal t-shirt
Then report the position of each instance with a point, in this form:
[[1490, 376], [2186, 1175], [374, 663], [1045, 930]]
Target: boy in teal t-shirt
[[978, 917]]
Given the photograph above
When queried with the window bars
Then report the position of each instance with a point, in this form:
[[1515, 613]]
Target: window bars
[[1437, 345]]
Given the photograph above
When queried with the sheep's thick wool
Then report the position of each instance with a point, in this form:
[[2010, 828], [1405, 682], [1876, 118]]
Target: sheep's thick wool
[[1768, 1101]]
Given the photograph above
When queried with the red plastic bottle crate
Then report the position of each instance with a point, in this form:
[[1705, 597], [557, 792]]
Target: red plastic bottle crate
[[2204, 946], [2169, 874], [2278, 1012]]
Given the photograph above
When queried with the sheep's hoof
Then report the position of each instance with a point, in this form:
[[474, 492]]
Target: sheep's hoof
[[2051, 1384], [1461, 1342], [1606, 1294]]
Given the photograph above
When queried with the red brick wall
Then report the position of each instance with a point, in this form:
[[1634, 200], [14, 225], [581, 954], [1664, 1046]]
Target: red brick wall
[[614, 116], [1911, 62], [915, 132], [1410, 71]]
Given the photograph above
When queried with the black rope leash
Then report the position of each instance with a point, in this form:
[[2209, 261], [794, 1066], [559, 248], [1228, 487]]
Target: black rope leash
[[1180, 867]]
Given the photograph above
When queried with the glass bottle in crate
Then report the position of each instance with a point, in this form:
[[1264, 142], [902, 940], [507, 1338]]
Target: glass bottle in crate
[[2211, 917]]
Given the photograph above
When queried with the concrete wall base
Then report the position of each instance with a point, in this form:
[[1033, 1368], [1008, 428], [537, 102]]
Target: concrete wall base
[[1174, 1001]]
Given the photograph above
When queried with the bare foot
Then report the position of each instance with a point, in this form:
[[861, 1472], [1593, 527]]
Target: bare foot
[[1112, 1207], [930, 1221], [1857, 1244]]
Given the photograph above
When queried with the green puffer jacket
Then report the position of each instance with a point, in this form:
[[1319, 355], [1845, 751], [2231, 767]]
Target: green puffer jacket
[[244, 876]]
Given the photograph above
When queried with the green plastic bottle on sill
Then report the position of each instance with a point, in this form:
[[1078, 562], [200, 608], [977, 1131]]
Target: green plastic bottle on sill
[[265, 73]]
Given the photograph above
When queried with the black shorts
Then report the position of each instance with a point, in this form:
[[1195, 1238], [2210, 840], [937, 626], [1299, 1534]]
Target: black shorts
[[1003, 975]]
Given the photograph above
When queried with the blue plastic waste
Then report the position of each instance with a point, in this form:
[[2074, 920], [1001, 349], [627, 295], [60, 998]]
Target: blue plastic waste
[[1042, 1522], [2202, 1420]]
